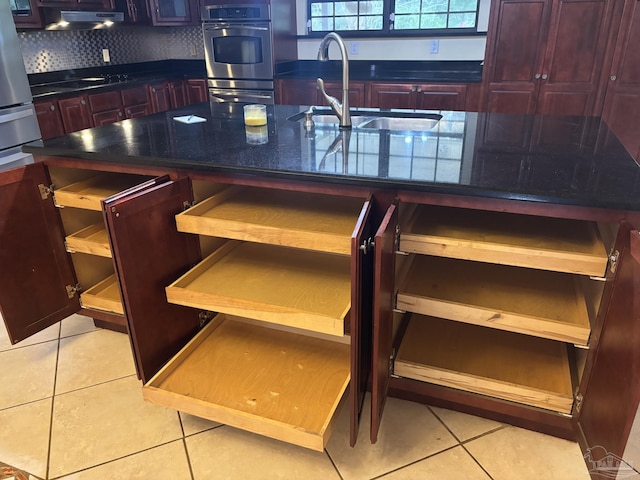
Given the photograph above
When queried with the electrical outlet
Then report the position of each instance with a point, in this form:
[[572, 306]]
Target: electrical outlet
[[105, 55], [192, 50], [355, 48], [434, 46]]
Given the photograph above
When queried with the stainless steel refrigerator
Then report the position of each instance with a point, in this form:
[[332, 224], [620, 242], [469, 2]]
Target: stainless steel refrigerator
[[18, 122]]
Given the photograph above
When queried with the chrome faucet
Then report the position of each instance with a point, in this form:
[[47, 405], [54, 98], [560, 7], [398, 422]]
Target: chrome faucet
[[341, 110]]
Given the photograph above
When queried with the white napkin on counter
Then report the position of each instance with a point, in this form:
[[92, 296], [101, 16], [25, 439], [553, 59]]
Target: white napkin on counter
[[189, 119]]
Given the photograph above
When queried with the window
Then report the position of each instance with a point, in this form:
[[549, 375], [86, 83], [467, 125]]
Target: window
[[392, 17]]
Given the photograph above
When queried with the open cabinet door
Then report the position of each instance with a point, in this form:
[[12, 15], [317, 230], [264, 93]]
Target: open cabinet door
[[383, 303], [149, 253], [36, 275], [360, 324], [612, 392]]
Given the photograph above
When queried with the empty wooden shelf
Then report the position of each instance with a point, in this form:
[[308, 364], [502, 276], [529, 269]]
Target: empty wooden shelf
[[510, 366], [92, 240], [104, 296], [571, 246], [296, 219], [535, 302], [89, 193], [286, 286], [278, 384]]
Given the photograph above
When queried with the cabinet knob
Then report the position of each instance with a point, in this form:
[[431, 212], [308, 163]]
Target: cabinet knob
[[128, 112], [614, 78], [413, 89], [419, 90], [52, 107], [153, 90], [83, 102], [120, 114], [545, 76], [537, 76]]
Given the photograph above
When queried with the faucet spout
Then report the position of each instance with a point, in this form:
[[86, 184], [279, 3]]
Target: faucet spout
[[341, 109]]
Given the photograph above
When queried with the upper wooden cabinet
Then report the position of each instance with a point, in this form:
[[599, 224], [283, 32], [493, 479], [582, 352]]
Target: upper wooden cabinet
[[622, 100], [102, 4], [25, 14], [174, 12], [545, 56]]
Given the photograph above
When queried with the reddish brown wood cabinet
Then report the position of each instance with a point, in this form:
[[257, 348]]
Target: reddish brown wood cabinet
[[106, 107], [135, 102], [305, 92], [622, 101], [174, 12], [545, 56], [49, 118], [197, 90], [420, 96], [28, 15]]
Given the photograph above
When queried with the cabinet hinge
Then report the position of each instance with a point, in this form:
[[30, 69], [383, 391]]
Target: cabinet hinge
[[614, 256], [578, 402], [205, 317], [45, 191], [186, 205], [392, 360], [396, 240], [367, 245], [73, 290]]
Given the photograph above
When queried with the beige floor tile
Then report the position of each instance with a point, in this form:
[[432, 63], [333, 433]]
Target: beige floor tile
[[45, 335], [92, 358], [24, 436], [228, 453], [517, 453], [76, 324], [464, 426], [454, 464], [192, 424], [166, 462], [98, 424], [27, 374], [409, 432]]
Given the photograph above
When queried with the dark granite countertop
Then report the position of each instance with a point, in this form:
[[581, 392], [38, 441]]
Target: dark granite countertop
[[91, 80], [386, 70], [560, 160]]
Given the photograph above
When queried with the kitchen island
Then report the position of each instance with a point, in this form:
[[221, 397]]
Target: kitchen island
[[487, 264]]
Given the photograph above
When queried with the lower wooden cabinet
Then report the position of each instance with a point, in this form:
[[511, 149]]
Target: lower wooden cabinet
[[49, 119], [197, 90], [106, 107], [305, 92], [75, 113]]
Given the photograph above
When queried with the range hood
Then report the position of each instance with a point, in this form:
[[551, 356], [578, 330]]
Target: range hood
[[56, 19]]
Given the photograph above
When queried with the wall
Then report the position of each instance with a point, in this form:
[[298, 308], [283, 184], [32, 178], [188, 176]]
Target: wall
[[416, 48], [46, 51]]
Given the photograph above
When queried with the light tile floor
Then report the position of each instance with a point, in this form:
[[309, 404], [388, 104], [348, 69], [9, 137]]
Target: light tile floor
[[71, 408]]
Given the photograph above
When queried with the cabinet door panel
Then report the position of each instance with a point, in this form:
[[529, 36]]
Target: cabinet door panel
[[360, 329], [35, 266], [178, 94], [574, 56], [334, 88], [296, 92], [160, 98], [611, 394], [197, 90], [49, 119], [174, 12], [101, 102], [441, 97], [383, 305], [105, 118], [75, 113], [391, 95], [136, 222], [134, 96]]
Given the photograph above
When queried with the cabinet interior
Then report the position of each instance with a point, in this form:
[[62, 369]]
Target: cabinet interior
[[498, 304], [78, 195], [277, 271]]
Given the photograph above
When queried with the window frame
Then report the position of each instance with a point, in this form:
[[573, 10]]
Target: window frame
[[386, 31]]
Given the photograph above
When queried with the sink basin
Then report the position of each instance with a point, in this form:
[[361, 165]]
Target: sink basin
[[373, 120], [415, 124]]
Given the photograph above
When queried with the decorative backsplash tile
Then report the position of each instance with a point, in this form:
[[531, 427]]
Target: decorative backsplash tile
[[48, 51]]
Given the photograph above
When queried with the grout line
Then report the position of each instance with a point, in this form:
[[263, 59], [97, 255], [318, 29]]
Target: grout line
[[334, 464], [53, 402], [184, 445], [435, 454], [444, 424], [477, 462], [95, 384]]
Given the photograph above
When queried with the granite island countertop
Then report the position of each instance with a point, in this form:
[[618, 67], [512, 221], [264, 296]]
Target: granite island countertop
[[559, 160]]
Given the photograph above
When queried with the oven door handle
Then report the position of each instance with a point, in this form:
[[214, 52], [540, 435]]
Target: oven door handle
[[236, 26]]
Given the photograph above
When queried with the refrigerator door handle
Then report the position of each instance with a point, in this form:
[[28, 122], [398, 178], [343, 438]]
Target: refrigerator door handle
[[12, 117]]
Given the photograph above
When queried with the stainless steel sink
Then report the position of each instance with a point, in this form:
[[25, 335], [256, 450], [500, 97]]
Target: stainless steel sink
[[415, 124], [372, 120]]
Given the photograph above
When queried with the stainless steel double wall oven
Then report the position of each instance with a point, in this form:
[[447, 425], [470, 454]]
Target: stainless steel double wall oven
[[238, 52]]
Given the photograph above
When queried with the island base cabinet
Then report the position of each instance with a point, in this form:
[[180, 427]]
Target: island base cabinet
[[41, 206], [249, 336], [493, 313], [278, 384]]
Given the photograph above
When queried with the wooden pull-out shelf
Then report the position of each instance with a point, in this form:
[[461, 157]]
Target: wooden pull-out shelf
[[89, 193], [273, 383], [534, 302], [295, 219], [571, 246], [505, 365], [285, 286], [92, 240], [104, 296]]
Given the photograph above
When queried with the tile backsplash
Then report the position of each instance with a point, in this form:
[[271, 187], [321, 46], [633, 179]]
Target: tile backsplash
[[48, 51]]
